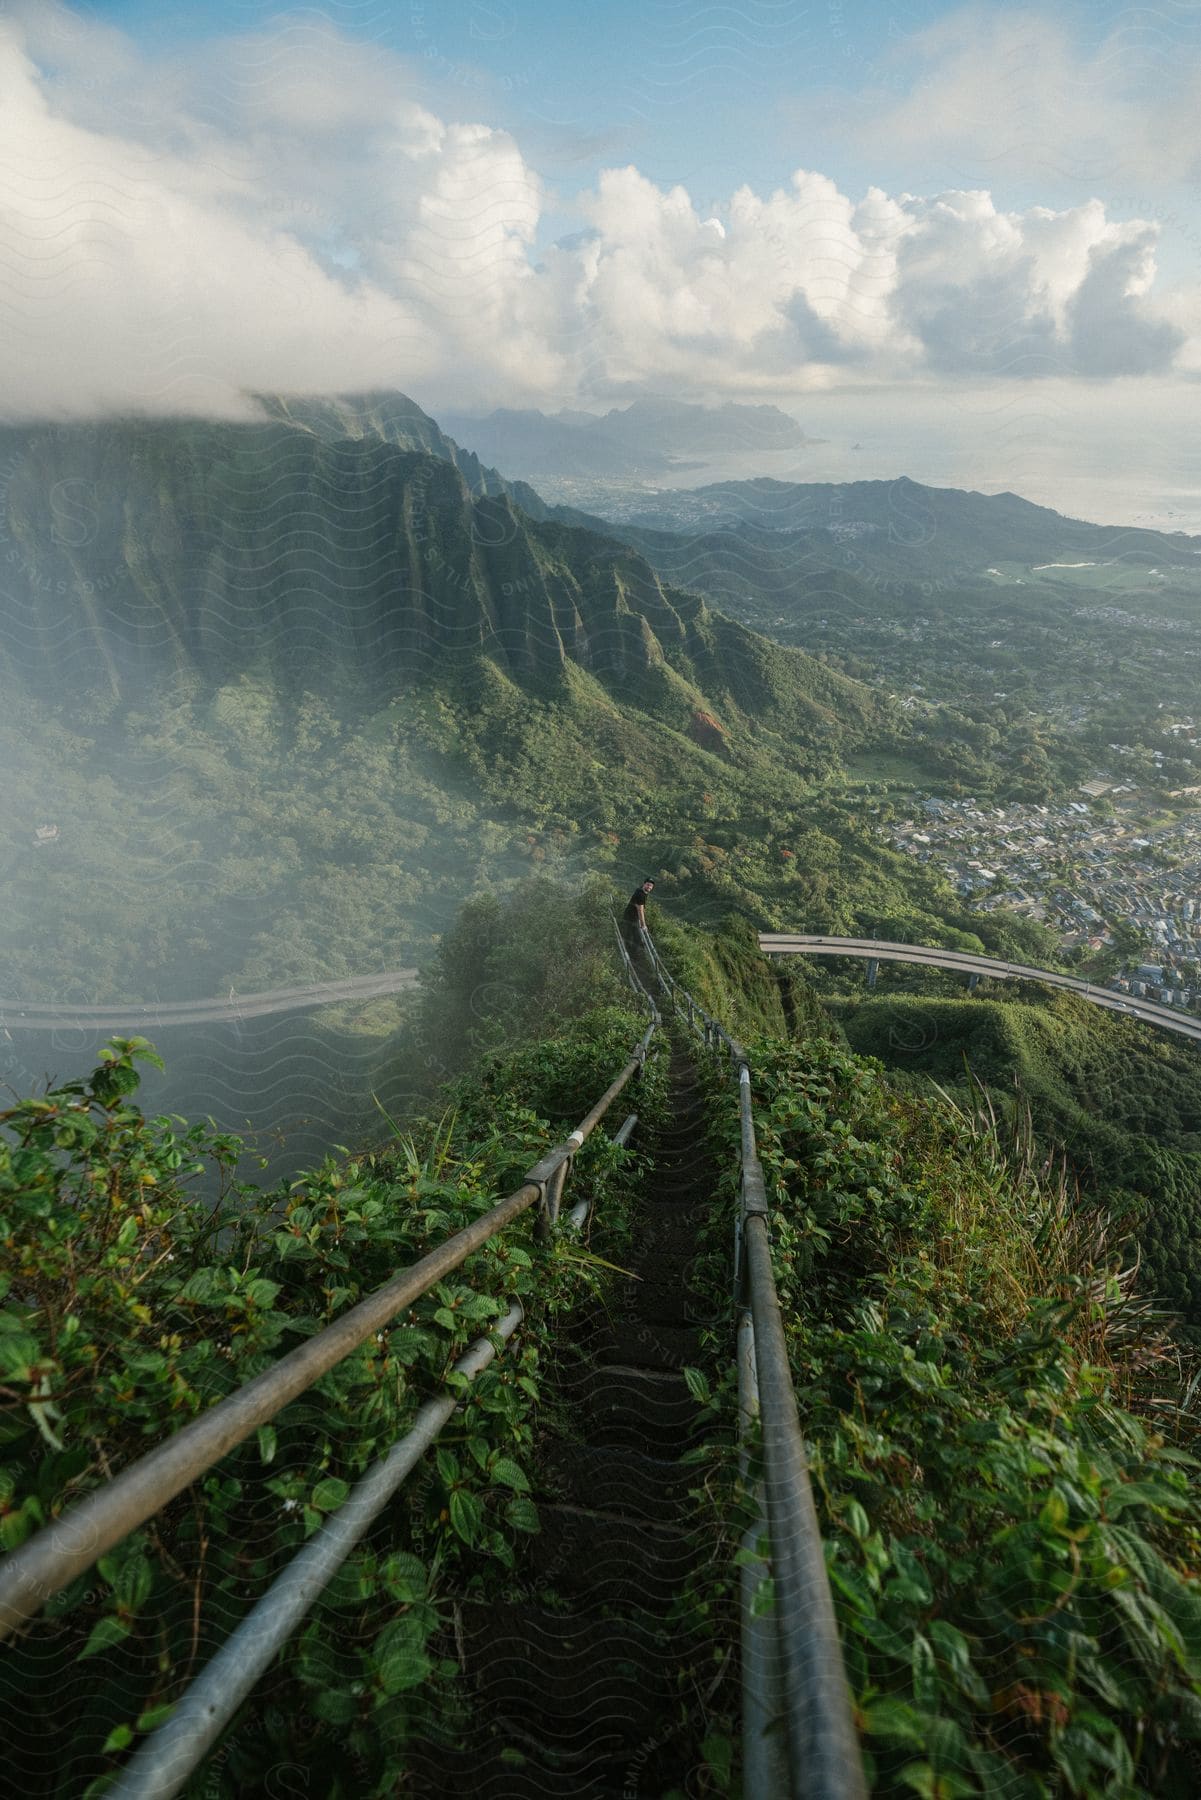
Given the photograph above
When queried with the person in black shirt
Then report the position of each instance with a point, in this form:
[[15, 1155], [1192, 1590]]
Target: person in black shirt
[[633, 919]]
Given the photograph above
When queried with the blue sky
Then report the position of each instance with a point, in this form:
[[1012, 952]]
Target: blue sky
[[706, 94], [963, 238]]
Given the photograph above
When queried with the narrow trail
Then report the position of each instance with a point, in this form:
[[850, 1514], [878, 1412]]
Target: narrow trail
[[588, 1686]]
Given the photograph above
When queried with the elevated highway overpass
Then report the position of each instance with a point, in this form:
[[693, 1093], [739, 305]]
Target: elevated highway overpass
[[139, 1016], [877, 950]]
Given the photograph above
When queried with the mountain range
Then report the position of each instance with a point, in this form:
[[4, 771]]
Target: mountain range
[[318, 549], [655, 435], [289, 691], [276, 697]]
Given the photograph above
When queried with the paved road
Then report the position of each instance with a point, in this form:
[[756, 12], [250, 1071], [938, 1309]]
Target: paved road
[[31, 1015], [777, 943]]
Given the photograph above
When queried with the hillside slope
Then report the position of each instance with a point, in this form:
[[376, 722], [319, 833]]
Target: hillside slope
[[143, 552], [288, 697]]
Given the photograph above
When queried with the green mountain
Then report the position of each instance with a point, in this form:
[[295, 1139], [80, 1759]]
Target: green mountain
[[899, 530], [290, 696], [395, 419], [1013, 620], [152, 551]]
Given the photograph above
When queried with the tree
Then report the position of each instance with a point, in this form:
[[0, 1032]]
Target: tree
[[1129, 940]]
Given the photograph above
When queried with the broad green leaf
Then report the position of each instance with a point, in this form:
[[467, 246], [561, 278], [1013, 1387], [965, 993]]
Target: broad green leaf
[[718, 1752], [154, 1716], [522, 1514], [857, 1520], [334, 1706], [952, 1646], [329, 1494], [405, 1577], [698, 1385], [401, 1669], [764, 1598], [896, 1720], [399, 1654], [506, 1471], [107, 1632], [466, 1515], [133, 1584]]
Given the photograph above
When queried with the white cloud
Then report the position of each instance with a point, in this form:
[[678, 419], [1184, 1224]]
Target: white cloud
[[1031, 294], [994, 91], [805, 287], [286, 212]]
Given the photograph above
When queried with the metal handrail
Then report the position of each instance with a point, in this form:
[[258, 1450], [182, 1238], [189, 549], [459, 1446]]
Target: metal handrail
[[802, 1655], [801, 1673], [164, 1761], [30, 1575]]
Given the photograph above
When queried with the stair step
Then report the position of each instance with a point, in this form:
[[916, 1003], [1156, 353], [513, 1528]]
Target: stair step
[[663, 1301], [572, 1691], [643, 1343], [620, 1481], [493, 1765], [611, 1558], [649, 1409], [592, 1689]]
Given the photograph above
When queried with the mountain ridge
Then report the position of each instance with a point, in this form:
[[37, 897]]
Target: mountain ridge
[[655, 434], [291, 550]]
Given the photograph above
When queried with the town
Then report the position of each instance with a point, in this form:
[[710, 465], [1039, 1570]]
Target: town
[[1124, 901]]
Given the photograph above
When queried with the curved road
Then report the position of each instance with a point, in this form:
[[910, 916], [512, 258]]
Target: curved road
[[34, 1015], [780, 943]]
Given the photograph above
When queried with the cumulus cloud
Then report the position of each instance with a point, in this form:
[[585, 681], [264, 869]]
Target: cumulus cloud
[[280, 213], [807, 286], [286, 212], [1040, 293]]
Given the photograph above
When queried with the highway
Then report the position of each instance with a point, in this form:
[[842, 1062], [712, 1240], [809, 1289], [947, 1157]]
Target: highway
[[801, 944], [140, 1016]]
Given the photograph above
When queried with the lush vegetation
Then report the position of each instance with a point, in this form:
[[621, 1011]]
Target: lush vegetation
[[250, 840], [1003, 1464], [129, 1306], [1002, 1454], [289, 695], [1124, 1102]]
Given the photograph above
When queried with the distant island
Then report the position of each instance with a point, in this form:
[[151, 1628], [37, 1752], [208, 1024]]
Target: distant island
[[652, 436]]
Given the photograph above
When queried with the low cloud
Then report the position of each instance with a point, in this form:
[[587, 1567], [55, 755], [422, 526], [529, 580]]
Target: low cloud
[[284, 212]]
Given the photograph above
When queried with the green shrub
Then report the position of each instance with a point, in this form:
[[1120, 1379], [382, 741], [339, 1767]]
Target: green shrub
[[129, 1307], [1009, 1508]]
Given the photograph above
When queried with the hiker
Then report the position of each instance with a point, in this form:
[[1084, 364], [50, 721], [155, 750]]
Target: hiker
[[633, 919]]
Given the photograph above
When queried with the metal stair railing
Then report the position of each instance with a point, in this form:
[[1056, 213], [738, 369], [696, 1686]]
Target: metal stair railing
[[40, 1568], [799, 1736]]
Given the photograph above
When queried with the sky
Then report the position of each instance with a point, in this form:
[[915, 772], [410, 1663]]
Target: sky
[[957, 242]]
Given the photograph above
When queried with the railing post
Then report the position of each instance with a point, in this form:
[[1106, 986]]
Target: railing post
[[542, 1230], [554, 1192]]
